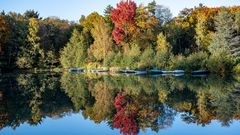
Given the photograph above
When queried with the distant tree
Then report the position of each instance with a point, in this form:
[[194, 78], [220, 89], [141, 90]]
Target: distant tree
[[151, 7], [31, 14], [82, 19], [123, 18], [163, 14], [107, 16], [147, 59]]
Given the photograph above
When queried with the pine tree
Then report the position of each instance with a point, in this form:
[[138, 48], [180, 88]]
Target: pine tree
[[32, 54], [225, 37], [74, 53]]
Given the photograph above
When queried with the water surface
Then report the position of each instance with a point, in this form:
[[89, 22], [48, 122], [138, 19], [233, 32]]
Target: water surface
[[71, 103]]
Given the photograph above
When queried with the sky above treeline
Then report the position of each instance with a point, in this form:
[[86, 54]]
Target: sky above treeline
[[73, 9]]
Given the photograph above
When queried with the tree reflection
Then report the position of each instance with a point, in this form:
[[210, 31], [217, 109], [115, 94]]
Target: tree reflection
[[127, 103]]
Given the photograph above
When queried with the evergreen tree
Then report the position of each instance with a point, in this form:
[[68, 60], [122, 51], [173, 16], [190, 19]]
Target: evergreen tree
[[32, 54], [225, 37], [151, 7], [74, 53]]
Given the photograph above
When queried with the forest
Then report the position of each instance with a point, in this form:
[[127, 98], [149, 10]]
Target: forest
[[127, 36]]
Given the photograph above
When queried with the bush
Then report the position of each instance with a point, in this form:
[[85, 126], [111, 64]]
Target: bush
[[195, 61], [237, 69], [178, 62], [163, 59], [131, 57], [220, 62], [147, 59], [109, 59], [117, 61]]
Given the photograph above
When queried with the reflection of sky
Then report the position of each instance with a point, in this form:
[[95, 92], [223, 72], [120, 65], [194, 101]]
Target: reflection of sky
[[76, 125]]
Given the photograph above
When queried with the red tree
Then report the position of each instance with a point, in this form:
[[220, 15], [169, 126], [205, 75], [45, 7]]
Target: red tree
[[123, 18], [125, 118]]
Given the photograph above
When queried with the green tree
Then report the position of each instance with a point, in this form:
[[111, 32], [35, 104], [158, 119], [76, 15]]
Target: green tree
[[74, 54], [107, 15], [147, 59], [32, 53], [31, 14], [151, 7], [224, 38]]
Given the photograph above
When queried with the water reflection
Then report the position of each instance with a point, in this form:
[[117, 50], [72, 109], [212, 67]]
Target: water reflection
[[127, 103]]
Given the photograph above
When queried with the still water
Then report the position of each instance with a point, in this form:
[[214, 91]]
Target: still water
[[75, 103]]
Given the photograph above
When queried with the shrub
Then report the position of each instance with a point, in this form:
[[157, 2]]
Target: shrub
[[196, 61], [131, 57], [147, 59], [178, 62], [118, 59], [162, 59], [220, 62], [237, 69], [109, 59]]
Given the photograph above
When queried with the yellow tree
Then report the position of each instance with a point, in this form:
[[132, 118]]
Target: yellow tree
[[103, 42], [146, 30]]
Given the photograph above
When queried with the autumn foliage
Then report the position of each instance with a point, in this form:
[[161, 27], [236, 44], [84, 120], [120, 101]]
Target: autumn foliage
[[123, 19], [125, 118]]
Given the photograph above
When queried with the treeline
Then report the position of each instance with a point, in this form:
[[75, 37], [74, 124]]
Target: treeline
[[29, 41], [133, 37]]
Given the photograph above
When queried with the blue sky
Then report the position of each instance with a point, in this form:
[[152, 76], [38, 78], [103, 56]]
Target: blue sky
[[73, 9]]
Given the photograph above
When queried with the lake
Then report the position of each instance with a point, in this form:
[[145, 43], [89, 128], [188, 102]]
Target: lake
[[82, 103]]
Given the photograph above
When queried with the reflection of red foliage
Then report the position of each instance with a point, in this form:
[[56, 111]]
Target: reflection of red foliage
[[125, 117], [123, 19]]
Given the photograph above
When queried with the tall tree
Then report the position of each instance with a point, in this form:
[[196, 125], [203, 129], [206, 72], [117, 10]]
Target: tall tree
[[146, 28], [75, 52], [123, 18], [202, 36], [225, 36], [31, 14], [32, 53], [107, 15], [163, 14], [151, 7], [103, 43]]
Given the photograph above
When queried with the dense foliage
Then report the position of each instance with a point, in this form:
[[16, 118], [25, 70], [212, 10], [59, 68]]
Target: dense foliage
[[128, 36]]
